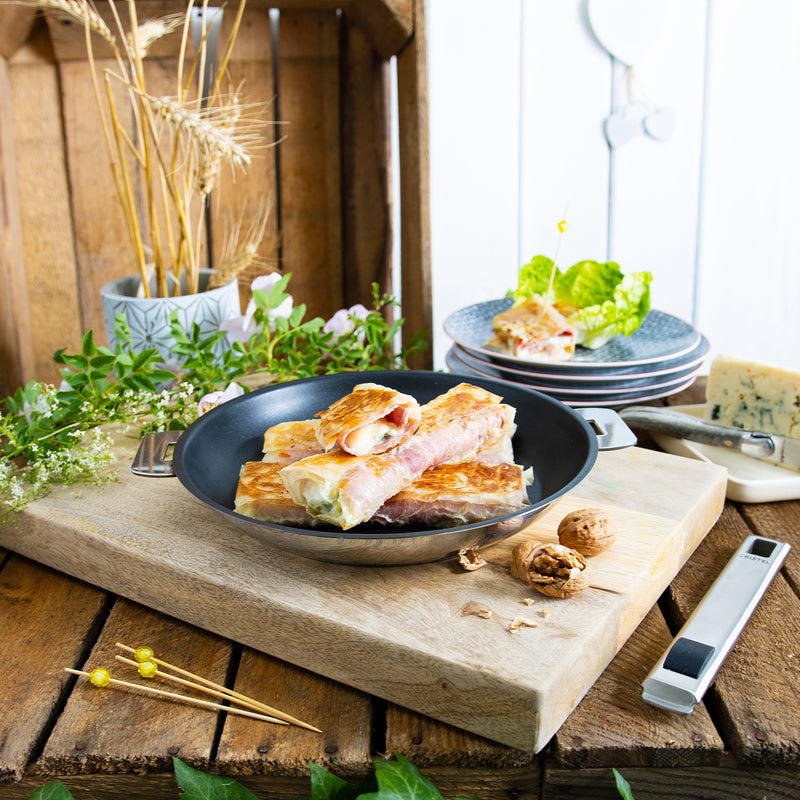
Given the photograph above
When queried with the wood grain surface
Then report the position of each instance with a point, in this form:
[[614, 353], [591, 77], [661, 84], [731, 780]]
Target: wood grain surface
[[322, 72], [398, 633]]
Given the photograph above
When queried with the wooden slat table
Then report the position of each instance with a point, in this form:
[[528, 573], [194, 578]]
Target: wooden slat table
[[742, 742]]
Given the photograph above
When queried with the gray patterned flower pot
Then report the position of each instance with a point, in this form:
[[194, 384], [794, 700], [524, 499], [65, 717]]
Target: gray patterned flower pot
[[148, 318]]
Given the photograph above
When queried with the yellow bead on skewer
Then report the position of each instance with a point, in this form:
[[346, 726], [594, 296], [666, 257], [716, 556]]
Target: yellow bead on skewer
[[147, 669], [562, 226], [205, 685], [100, 677], [143, 653]]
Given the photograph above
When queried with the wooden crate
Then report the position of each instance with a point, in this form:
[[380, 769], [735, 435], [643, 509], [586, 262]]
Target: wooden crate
[[325, 69]]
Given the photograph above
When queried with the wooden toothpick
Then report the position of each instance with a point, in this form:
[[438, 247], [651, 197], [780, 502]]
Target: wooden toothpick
[[203, 684], [562, 227], [100, 677]]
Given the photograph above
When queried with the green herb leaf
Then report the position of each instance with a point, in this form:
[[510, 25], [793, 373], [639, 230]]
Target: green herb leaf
[[197, 785], [54, 790], [401, 780], [327, 786], [623, 787]]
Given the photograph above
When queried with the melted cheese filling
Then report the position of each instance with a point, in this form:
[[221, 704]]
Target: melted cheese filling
[[363, 439]]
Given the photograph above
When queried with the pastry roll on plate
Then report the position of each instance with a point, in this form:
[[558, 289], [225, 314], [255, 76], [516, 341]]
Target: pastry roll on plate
[[371, 419], [346, 490]]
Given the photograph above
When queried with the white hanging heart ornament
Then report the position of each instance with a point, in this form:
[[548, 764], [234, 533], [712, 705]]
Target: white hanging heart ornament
[[627, 28], [660, 124], [620, 129]]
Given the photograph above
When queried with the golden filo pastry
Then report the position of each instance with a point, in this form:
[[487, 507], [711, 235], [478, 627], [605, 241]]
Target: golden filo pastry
[[346, 490], [260, 494], [371, 419], [290, 441], [447, 495], [534, 329]]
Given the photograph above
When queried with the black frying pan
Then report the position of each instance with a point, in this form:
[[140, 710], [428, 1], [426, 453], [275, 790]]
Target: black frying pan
[[552, 438]]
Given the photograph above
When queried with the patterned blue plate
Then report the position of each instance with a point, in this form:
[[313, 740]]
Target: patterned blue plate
[[661, 337], [630, 376], [609, 399]]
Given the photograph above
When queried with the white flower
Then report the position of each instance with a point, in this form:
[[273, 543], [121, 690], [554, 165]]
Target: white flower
[[214, 399], [242, 328], [343, 321]]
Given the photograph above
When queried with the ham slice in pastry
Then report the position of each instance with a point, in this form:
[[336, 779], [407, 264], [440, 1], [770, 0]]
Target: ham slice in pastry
[[260, 494], [346, 490], [447, 495], [457, 494], [287, 442], [534, 329], [371, 419]]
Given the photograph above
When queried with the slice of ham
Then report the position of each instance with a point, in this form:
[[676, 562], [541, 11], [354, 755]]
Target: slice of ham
[[371, 419], [346, 490], [457, 494]]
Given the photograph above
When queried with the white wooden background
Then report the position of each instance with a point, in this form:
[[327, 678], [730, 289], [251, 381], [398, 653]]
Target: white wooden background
[[519, 91]]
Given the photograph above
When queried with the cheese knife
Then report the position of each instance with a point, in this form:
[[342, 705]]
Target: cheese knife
[[780, 450]]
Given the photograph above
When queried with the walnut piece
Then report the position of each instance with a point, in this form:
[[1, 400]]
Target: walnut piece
[[471, 559], [551, 569], [588, 530]]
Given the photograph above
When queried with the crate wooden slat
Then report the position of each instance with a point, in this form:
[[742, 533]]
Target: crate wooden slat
[[327, 184]]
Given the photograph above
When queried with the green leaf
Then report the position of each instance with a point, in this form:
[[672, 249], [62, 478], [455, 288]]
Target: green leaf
[[608, 302], [327, 786], [623, 787], [51, 791], [198, 785], [87, 345], [401, 780]]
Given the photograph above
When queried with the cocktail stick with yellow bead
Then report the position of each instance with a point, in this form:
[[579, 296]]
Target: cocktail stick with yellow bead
[[101, 678], [144, 654]]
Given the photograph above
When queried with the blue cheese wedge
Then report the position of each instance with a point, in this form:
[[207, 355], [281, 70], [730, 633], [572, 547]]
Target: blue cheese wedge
[[755, 396]]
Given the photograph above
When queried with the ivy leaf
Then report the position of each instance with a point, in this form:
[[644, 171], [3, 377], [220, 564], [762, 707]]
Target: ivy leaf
[[623, 787], [327, 786], [401, 780], [197, 785], [52, 791]]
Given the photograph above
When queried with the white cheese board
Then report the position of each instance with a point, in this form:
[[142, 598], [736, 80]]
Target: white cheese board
[[750, 480]]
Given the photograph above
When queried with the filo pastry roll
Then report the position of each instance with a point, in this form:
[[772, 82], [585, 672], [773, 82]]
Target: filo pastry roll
[[369, 420], [450, 494], [347, 490], [290, 441]]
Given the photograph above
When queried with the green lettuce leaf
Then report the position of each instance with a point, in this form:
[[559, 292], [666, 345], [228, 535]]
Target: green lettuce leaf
[[609, 303]]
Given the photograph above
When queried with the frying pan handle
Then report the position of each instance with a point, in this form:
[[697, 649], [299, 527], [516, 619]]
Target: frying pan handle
[[154, 456], [612, 432]]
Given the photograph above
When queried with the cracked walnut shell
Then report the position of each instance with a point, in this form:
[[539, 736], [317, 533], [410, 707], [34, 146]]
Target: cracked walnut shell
[[588, 530], [551, 569]]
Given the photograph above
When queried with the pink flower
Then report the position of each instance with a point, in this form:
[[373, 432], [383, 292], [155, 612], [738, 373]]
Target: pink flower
[[242, 328], [214, 399], [343, 321]]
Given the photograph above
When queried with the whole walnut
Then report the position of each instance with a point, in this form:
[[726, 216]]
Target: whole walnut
[[590, 531], [551, 569]]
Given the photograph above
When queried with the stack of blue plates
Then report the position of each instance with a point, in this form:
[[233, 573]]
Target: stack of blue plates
[[662, 357]]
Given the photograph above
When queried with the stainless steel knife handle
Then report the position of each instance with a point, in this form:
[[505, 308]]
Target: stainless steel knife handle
[[684, 426]]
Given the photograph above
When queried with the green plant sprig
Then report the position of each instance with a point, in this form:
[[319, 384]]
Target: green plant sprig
[[288, 348], [51, 435]]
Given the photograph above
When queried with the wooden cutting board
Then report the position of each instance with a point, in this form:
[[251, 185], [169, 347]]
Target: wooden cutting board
[[396, 632]]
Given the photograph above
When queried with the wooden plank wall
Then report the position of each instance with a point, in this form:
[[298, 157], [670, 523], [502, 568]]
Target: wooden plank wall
[[517, 134], [322, 176]]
